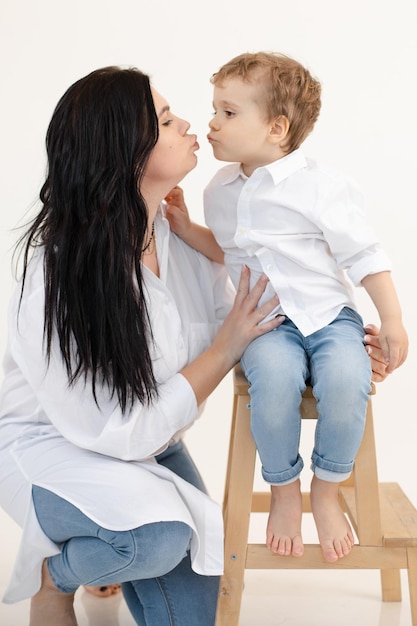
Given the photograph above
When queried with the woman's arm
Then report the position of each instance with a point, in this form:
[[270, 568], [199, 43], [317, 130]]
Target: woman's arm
[[99, 424], [195, 235]]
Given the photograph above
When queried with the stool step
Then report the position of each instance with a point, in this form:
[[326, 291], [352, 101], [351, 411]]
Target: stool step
[[398, 515], [258, 556], [261, 501]]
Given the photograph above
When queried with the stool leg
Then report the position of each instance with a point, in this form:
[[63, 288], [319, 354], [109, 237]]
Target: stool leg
[[240, 472], [391, 585], [367, 487], [230, 458], [412, 582], [368, 506]]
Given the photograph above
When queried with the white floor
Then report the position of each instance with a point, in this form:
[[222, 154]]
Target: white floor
[[279, 598]]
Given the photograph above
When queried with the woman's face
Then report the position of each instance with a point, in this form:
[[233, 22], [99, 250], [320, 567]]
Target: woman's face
[[174, 153]]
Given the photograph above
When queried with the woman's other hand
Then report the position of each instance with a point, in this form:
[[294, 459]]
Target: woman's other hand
[[373, 348], [240, 327]]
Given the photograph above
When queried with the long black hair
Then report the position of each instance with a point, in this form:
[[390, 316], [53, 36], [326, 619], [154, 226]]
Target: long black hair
[[92, 226]]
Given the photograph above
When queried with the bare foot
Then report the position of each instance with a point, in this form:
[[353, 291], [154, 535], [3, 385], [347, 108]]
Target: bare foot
[[283, 532], [334, 531], [51, 607], [104, 591]]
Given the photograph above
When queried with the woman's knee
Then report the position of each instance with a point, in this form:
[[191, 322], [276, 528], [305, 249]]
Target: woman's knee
[[159, 547]]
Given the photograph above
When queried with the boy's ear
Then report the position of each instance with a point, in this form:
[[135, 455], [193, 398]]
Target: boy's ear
[[280, 127]]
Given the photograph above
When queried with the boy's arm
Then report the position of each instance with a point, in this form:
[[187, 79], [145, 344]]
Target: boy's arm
[[393, 337], [202, 239], [195, 235]]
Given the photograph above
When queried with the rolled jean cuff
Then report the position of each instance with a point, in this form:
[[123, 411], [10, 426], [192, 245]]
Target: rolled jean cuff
[[285, 477], [55, 578], [329, 470]]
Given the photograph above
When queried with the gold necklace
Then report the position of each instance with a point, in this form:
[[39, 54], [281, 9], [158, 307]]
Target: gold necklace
[[150, 239]]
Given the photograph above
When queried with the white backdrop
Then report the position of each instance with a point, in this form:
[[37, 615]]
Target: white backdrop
[[363, 51]]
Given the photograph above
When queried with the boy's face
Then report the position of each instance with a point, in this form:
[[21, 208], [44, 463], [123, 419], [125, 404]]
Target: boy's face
[[239, 130]]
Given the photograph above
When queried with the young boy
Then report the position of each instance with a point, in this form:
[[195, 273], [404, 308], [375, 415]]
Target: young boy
[[303, 225]]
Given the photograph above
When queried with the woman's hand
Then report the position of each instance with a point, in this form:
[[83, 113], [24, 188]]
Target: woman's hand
[[242, 325], [373, 348], [239, 328]]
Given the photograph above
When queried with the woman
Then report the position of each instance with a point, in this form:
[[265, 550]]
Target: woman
[[114, 344]]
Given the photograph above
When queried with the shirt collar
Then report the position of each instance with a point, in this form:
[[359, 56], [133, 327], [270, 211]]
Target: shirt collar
[[279, 170], [234, 171], [287, 165]]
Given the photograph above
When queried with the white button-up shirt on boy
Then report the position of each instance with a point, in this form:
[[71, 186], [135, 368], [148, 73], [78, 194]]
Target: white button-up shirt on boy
[[303, 225]]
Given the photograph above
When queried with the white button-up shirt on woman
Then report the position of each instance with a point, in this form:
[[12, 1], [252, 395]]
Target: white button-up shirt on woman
[[91, 454]]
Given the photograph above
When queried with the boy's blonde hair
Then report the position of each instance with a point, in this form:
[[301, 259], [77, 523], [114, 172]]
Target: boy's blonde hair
[[287, 88]]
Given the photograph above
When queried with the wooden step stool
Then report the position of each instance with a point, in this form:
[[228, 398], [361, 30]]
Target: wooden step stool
[[383, 518]]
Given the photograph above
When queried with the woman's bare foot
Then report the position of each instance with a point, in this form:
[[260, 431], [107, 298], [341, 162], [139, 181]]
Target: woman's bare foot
[[51, 607], [283, 532], [334, 531], [104, 591]]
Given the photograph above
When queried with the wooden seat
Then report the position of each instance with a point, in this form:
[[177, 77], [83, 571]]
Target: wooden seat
[[383, 518]]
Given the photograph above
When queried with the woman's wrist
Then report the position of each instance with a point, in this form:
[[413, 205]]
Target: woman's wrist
[[207, 371]]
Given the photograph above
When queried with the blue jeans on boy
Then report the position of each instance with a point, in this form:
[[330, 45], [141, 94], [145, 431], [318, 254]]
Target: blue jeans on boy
[[152, 562], [334, 362]]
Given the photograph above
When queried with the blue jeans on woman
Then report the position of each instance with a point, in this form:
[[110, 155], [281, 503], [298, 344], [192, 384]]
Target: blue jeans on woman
[[152, 562], [334, 362]]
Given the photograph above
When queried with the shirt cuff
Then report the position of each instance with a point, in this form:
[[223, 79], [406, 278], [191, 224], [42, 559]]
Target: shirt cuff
[[372, 264]]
